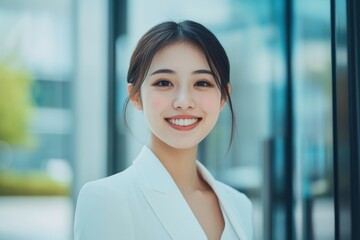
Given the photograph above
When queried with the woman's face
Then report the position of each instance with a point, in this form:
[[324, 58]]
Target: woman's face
[[179, 96]]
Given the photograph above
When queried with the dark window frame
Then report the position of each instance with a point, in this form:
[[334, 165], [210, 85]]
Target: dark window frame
[[116, 142], [346, 109]]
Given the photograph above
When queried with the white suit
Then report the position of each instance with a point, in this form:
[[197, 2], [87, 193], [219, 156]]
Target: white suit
[[143, 202]]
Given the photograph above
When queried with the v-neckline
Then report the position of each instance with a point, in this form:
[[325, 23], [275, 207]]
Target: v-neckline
[[192, 212], [167, 201]]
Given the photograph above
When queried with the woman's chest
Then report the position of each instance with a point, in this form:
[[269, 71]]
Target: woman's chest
[[207, 210]]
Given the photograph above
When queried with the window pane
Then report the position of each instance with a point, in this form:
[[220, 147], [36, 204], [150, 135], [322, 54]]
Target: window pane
[[313, 127]]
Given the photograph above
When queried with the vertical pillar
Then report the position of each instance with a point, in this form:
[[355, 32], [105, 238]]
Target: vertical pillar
[[90, 91]]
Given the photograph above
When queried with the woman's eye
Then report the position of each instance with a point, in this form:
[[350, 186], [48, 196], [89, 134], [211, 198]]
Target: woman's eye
[[163, 83], [203, 84]]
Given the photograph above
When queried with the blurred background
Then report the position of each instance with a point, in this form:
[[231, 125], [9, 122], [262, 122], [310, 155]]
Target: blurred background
[[63, 67]]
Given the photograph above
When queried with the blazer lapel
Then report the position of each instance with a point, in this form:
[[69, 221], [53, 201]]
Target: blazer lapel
[[235, 220], [165, 198], [227, 205]]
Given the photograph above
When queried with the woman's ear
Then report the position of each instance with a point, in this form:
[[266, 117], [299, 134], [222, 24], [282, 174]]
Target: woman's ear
[[135, 99], [223, 100]]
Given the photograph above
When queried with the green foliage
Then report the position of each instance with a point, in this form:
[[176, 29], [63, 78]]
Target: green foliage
[[30, 183], [15, 106]]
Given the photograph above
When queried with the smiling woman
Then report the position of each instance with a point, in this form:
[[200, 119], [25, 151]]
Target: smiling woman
[[186, 94], [179, 78]]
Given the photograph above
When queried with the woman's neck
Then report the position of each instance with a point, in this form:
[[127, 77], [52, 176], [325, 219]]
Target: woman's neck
[[180, 163]]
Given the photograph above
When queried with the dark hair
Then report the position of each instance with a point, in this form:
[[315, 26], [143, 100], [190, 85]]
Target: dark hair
[[168, 33]]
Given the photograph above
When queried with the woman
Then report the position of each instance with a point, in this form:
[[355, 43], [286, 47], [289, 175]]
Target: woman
[[179, 78]]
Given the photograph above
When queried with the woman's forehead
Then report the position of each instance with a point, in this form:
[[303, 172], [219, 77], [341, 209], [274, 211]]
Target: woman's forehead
[[179, 56]]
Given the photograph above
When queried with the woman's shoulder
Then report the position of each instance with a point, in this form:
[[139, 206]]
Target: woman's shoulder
[[118, 184], [102, 206]]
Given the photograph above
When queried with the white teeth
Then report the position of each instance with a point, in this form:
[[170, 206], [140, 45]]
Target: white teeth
[[183, 122]]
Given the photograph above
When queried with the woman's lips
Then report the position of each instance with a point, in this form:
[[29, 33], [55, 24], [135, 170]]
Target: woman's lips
[[183, 123]]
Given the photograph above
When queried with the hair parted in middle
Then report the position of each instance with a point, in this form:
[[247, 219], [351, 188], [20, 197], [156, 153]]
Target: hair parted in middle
[[168, 33]]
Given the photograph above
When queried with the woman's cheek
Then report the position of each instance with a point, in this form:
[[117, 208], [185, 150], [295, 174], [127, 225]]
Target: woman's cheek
[[156, 100], [211, 103]]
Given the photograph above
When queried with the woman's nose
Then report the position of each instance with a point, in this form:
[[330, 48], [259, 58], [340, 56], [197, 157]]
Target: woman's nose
[[183, 99]]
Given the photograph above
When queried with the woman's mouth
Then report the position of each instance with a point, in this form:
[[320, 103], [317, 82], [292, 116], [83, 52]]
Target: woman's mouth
[[183, 124]]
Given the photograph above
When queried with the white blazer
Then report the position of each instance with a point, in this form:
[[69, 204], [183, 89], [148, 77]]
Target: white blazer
[[143, 202]]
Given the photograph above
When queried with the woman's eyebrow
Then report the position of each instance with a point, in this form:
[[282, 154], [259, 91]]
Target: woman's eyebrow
[[169, 71], [203, 71], [163, 71]]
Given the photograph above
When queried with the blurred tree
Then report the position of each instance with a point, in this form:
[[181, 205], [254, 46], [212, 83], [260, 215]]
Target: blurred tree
[[15, 105]]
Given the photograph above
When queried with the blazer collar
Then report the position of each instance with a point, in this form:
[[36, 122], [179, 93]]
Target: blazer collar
[[156, 176], [168, 203], [228, 205]]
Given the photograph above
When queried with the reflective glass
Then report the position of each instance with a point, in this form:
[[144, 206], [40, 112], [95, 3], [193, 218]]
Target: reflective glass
[[314, 195]]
